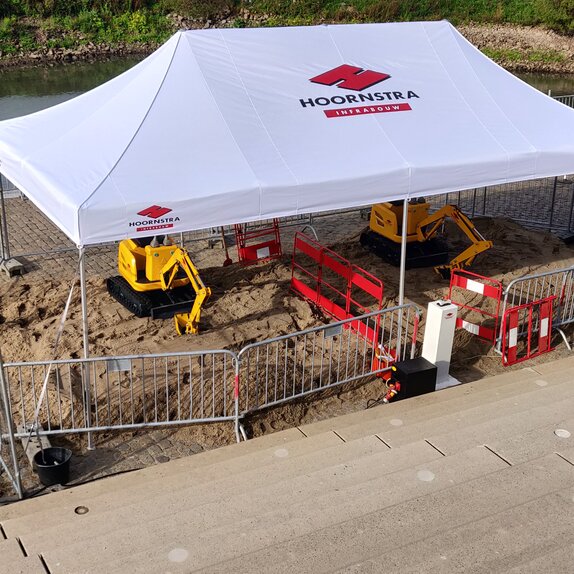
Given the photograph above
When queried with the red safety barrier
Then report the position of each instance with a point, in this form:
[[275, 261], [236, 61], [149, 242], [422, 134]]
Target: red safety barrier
[[518, 327], [480, 321], [257, 244], [334, 284]]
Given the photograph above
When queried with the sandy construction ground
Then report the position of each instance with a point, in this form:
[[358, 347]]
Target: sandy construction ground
[[249, 304]]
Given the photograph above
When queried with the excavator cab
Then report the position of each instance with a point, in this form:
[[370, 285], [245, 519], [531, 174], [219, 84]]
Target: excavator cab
[[424, 248], [158, 279]]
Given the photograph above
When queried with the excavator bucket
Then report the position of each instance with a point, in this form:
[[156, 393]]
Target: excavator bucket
[[184, 324], [444, 271]]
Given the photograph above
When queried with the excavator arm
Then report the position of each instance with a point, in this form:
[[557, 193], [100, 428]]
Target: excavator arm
[[180, 261], [431, 224]]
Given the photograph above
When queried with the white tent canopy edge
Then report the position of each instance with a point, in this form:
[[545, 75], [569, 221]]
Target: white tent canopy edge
[[228, 126]]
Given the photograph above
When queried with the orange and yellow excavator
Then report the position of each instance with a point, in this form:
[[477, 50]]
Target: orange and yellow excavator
[[158, 279], [384, 236]]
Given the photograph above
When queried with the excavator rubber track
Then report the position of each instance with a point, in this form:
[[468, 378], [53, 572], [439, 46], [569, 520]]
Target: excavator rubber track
[[430, 253], [156, 304]]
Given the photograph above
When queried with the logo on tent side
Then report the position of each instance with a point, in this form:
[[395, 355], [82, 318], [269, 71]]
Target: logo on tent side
[[350, 78], [154, 211], [156, 214]]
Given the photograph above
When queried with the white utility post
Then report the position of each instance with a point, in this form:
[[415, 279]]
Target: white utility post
[[438, 340]]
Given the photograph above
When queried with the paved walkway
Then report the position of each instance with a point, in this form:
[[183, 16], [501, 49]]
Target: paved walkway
[[474, 478]]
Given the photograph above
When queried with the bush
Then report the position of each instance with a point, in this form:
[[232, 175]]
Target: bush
[[558, 15]]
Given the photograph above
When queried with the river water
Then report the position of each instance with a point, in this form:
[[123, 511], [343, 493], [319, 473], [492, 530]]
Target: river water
[[23, 91]]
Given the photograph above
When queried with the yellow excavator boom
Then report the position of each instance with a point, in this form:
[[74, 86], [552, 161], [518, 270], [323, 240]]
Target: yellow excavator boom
[[430, 225], [180, 260]]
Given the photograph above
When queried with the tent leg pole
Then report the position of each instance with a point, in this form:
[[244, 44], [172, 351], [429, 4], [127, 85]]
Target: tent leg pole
[[86, 368], [402, 274], [4, 229], [11, 266], [403, 252]]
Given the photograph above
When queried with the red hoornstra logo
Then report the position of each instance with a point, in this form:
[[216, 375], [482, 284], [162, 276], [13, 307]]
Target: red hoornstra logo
[[357, 80], [157, 214], [350, 78], [154, 211]]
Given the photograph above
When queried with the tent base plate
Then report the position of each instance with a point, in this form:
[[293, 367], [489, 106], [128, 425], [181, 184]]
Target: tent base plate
[[12, 267]]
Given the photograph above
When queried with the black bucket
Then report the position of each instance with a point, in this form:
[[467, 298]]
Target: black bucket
[[53, 465]]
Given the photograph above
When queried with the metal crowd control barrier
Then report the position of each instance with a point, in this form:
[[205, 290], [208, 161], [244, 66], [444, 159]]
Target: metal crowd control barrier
[[137, 391], [8, 457], [128, 392], [520, 325], [480, 321], [529, 288], [331, 282], [292, 366], [566, 100]]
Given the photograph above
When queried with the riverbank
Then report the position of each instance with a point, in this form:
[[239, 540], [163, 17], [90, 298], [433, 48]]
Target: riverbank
[[516, 48]]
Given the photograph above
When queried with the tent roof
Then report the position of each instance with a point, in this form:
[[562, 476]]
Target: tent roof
[[228, 126]]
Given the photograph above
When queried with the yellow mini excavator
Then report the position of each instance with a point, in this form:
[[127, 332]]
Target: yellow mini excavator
[[384, 236], [158, 279]]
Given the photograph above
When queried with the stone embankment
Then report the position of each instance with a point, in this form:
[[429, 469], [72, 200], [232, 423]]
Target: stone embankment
[[516, 48]]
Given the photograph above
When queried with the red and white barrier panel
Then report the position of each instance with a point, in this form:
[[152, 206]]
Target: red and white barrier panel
[[257, 244], [484, 322], [521, 324], [334, 284]]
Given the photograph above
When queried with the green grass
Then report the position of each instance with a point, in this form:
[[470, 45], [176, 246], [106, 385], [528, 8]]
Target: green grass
[[76, 22]]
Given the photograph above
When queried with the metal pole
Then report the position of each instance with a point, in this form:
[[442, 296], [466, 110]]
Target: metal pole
[[552, 204], [403, 251], [86, 369], [402, 275], [17, 481], [5, 240]]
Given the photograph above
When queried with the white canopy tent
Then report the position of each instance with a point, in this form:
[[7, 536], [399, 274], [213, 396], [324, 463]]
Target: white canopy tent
[[228, 126]]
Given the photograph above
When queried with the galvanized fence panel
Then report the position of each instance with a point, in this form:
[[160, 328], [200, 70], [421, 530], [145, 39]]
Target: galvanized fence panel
[[566, 100], [87, 395], [8, 457], [545, 203], [291, 366], [559, 283]]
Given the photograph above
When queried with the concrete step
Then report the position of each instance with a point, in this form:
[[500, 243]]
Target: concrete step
[[522, 423], [483, 388], [434, 404], [515, 448], [293, 545], [566, 363], [288, 437], [10, 550], [13, 560], [415, 426], [139, 485], [558, 560], [316, 501], [494, 544], [234, 496]]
